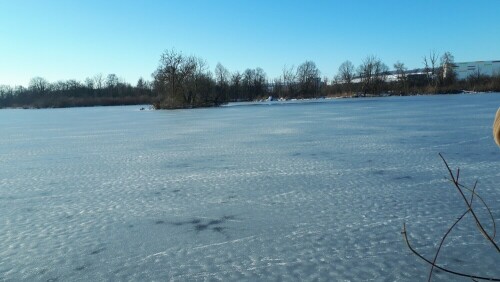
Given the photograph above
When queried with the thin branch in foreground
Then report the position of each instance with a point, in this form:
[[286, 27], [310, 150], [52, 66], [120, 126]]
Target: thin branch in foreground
[[405, 237], [481, 228], [460, 188], [442, 242], [494, 228]]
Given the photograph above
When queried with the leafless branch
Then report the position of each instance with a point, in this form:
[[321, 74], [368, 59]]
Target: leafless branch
[[454, 178], [476, 219], [405, 237]]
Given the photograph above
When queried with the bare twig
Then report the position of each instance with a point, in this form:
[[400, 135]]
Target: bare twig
[[405, 236], [442, 241], [481, 228], [472, 194], [494, 228], [454, 178]]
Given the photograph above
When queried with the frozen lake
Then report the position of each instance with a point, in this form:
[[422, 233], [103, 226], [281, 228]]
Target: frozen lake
[[299, 191]]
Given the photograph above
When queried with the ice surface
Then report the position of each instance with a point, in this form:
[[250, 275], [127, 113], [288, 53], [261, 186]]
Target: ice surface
[[279, 191]]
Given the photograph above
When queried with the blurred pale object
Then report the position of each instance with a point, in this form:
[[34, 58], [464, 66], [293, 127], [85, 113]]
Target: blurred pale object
[[496, 128]]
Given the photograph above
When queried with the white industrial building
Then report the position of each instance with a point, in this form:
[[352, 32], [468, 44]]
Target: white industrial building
[[465, 69]]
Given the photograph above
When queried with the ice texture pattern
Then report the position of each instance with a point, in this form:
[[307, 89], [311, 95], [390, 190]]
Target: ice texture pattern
[[309, 191]]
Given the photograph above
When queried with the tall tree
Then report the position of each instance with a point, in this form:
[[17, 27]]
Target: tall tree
[[89, 83], [236, 78], [430, 67], [222, 78], [402, 81], [366, 73], [260, 82], [248, 84], [184, 82], [98, 81], [221, 74], [111, 80], [289, 80], [446, 74], [39, 85], [346, 74], [141, 83], [170, 76], [6, 91], [308, 76], [199, 82], [373, 73]]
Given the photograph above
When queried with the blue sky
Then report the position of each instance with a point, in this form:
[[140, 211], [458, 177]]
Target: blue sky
[[69, 39]]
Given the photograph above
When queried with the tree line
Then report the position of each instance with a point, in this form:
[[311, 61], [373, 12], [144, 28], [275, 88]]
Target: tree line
[[178, 81], [182, 81], [98, 90]]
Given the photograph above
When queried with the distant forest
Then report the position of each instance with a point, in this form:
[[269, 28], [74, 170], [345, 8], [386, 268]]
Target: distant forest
[[182, 81]]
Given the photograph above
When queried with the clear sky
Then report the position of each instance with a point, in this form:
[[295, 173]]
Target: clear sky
[[70, 39]]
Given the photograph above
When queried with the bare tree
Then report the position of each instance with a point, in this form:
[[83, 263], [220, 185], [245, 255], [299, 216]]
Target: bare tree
[[111, 80], [337, 79], [199, 81], [169, 77], [427, 69], [248, 84], [325, 80], [366, 73], [278, 87], [430, 66], [60, 86], [141, 83], [89, 83], [433, 58], [373, 74], [381, 71], [346, 74], [289, 79], [39, 85], [446, 73], [260, 81], [185, 82], [74, 85], [308, 77], [235, 87], [400, 70], [447, 58], [166, 75], [221, 75], [98, 81], [6, 91], [189, 72], [254, 83], [401, 75]]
